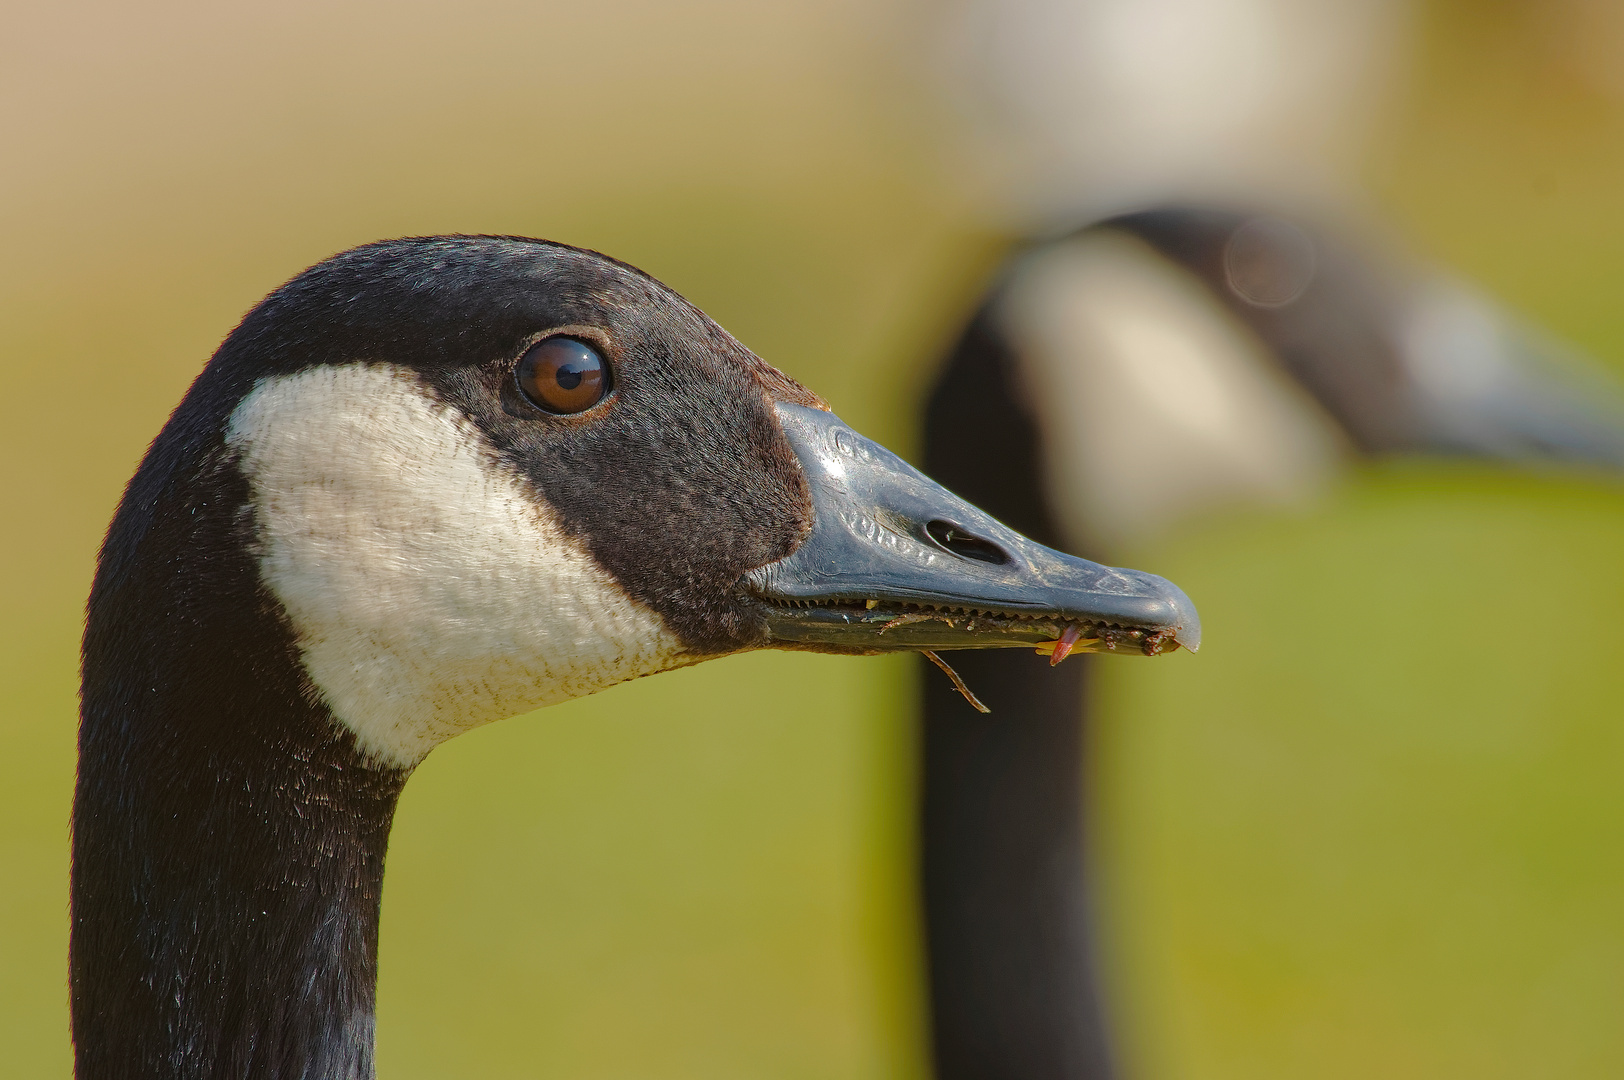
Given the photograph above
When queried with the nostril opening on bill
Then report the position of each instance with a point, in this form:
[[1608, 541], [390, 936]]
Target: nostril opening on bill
[[953, 538]]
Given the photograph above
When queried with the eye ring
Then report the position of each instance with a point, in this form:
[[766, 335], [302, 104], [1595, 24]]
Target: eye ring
[[563, 375]]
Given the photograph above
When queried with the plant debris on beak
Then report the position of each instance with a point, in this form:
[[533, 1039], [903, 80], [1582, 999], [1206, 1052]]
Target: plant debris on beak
[[895, 562]]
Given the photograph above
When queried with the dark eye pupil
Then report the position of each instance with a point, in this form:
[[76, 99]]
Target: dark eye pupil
[[562, 375]]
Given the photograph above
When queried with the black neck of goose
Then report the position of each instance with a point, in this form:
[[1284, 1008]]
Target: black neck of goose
[[228, 838]]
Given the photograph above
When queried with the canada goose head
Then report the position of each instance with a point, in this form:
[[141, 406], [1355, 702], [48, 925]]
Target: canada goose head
[[429, 484]]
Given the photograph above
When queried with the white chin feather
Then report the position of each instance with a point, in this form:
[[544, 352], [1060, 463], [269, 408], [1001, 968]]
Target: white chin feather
[[430, 587]]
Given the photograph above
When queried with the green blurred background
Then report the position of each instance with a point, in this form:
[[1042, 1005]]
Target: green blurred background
[[1374, 829]]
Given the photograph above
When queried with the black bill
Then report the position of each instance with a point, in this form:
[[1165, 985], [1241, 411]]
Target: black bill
[[897, 562]]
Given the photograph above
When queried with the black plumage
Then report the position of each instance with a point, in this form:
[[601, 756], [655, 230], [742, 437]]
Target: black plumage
[[228, 834]]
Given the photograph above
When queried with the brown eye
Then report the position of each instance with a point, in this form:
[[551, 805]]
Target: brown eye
[[562, 375]]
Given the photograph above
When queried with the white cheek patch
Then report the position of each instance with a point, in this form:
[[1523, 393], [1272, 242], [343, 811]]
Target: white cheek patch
[[1156, 403], [430, 587]]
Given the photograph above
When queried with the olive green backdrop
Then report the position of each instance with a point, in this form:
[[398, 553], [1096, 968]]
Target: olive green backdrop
[[1373, 829]]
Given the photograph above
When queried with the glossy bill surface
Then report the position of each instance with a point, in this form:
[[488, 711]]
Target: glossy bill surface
[[897, 562]]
